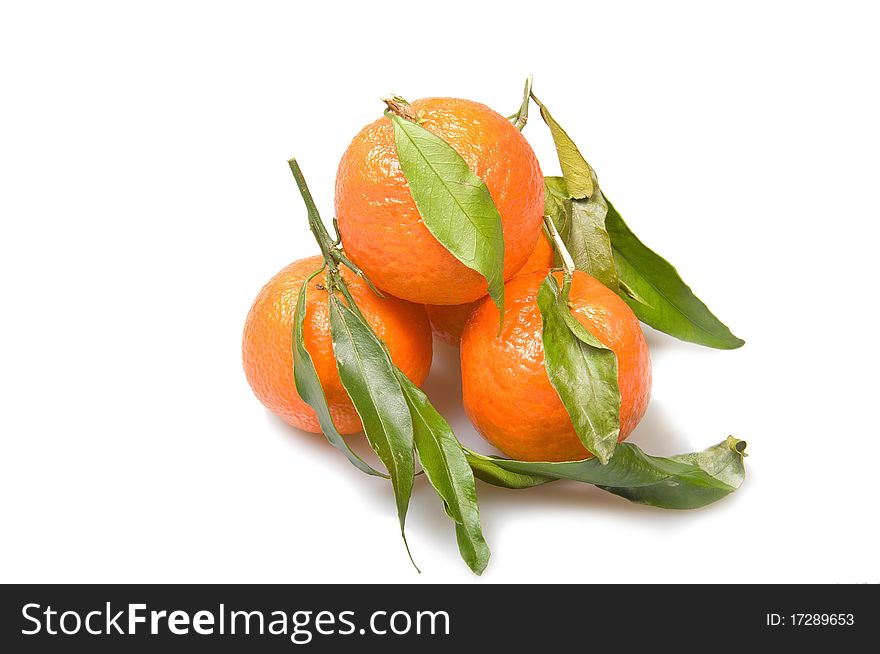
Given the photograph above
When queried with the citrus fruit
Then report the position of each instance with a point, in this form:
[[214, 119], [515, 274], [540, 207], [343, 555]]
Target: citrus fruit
[[507, 393], [447, 320], [381, 228], [268, 341]]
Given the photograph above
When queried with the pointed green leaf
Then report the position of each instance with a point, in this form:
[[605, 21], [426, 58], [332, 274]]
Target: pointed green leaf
[[309, 386], [575, 169], [369, 377], [698, 478], [583, 372], [658, 295], [686, 481], [447, 469], [454, 203]]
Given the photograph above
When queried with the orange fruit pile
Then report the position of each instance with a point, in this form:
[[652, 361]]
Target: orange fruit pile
[[506, 390], [442, 176]]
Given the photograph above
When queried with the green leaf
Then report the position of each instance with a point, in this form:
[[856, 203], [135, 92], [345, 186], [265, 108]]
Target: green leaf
[[369, 376], [454, 203], [447, 469], [587, 239], [555, 187], [581, 224], [555, 197], [487, 469], [309, 386], [575, 169], [583, 372], [699, 478], [686, 481], [657, 294]]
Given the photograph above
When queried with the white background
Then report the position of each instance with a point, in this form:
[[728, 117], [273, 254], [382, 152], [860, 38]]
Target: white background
[[146, 199]]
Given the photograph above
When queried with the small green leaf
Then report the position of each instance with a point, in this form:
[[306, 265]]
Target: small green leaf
[[587, 239], [556, 187], [447, 469], [555, 197], [575, 169], [309, 386], [686, 481], [369, 377], [454, 203], [581, 224], [658, 295], [583, 372]]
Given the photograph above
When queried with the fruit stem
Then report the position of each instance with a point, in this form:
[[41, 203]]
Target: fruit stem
[[351, 265], [535, 98], [315, 223], [400, 107], [338, 240], [520, 119], [559, 245], [568, 266], [333, 256]]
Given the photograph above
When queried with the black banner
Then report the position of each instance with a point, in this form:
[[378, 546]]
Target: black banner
[[252, 618]]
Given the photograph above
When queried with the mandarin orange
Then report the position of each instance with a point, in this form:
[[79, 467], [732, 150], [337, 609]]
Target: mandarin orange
[[507, 393], [381, 228], [268, 339]]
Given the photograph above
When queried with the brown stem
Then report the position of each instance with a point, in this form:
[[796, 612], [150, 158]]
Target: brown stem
[[400, 107]]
